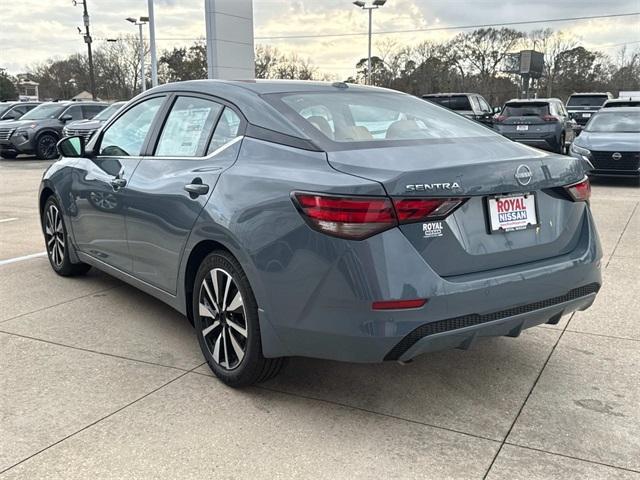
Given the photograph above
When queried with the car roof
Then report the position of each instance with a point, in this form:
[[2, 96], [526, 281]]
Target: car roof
[[533, 100], [618, 109], [245, 95], [590, 93], [448, 94], [622, 100]]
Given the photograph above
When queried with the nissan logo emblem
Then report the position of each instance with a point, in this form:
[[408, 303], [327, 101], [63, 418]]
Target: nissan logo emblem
[[523, 175], [616, 156]]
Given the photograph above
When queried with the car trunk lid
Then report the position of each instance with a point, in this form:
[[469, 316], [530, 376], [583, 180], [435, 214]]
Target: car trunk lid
[[476, 169]]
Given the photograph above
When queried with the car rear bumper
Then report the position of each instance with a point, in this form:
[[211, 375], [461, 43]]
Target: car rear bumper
[[549, 141], [338, 322]]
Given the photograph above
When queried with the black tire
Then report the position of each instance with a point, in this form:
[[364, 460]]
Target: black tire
[[9, 155], [222, 325], [562, 148], [57, 241], [46, 146]]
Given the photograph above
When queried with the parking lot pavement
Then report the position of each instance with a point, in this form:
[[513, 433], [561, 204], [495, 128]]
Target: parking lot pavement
[[100, 380]]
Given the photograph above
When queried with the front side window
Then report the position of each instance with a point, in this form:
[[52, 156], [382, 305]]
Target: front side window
[[226, 130], [127, 134], [188, 127], [377, 116], [484, 106], [75, 112], [90, 111]]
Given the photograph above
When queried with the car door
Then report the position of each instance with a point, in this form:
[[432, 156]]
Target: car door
[[567, 122], [99, 185], [198, 140]]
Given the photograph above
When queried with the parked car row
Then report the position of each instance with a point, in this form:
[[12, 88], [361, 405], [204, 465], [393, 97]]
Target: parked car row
[[36, 128]]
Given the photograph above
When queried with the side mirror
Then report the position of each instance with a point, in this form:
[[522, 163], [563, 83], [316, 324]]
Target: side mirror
[[71, 147], [66, 117]]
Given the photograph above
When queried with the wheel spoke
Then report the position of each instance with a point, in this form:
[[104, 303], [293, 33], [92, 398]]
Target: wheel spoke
[[241, 330], [235, 303], [226, 352], [60, 241], [236, 347], [216, 348], [214, 282], [47, 229], [210, 328], [212, 300], [205, 311], [226, 293], [51, 240]]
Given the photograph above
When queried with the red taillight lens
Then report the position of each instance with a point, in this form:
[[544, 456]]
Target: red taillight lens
[[581, 191], [411, 210], [398, 304], [549, 118], [347, 217], [500, 118]]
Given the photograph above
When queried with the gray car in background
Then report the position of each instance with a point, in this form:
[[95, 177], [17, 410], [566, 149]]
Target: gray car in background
[[280, 224], [540, 122], [611, 143], [87, 127]]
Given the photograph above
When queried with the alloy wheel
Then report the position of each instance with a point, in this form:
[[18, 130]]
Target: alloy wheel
[[48, 146], [54, 235], [224, 320]]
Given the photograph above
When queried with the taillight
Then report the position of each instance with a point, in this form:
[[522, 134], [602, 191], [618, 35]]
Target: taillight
[[411, 210], [346, 217], [581, 191], [357, 218], [500, 118], [549, 118]]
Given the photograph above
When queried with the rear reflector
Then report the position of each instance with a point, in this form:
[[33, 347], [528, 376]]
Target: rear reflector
[[346, 217], [581, 191], [399, 304], [411, 210]]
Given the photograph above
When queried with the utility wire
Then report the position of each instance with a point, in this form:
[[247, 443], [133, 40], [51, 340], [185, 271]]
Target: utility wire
[[456, 27]]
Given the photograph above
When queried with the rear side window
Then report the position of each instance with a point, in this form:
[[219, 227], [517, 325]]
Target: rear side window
[[127, 134], [188, 127], [360, 116], [227, 129], [525, 109], [587, 100]]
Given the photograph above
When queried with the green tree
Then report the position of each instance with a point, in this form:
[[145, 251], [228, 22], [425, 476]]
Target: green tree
[[7, 87], [185, 63]]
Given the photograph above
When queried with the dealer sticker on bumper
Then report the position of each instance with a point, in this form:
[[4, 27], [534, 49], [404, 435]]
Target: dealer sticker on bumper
[[515, 212]]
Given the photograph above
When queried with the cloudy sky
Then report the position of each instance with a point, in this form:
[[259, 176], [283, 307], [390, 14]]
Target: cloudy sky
[[34, 30]]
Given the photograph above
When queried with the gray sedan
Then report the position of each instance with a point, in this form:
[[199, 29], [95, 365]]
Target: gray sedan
[[323, 220]]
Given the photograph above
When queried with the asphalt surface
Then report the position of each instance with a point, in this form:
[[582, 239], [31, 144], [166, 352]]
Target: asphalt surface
[[99, 380]]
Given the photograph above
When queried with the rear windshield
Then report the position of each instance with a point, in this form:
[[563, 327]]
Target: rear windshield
[[51, 110], [372, 116], [610, 121], [528, 109], [454, 102], [586, 100], [622, 103]]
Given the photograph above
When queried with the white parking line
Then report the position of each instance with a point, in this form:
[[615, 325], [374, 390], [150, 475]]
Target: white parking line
[[7, 220], [20, 259]]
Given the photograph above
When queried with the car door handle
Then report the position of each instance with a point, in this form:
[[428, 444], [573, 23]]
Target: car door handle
[[196, 189], [118, 182]]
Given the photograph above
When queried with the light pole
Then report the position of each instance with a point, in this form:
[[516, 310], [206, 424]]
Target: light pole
[[87, 40], [152, 44], [140, 22], [370, 8]]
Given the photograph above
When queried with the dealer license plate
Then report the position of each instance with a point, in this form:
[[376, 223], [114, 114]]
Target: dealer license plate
[[512, 212], [586, 115], [522, 127]]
